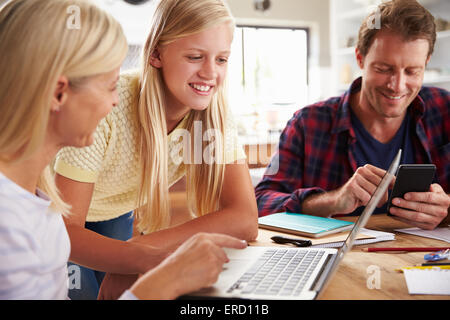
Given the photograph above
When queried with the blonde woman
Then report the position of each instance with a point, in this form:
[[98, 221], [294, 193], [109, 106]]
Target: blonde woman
[[57, 83], [168, 111]]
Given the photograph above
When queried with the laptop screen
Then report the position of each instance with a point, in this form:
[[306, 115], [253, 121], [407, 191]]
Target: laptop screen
[[362, 220], [373, 202]]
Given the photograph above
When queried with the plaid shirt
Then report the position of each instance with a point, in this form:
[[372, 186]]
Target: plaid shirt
[[316, 149]]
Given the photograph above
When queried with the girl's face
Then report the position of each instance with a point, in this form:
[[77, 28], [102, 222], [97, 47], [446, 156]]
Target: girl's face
[[84, 107], [194, 67]]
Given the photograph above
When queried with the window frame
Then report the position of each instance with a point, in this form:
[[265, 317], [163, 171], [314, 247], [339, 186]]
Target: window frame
[[260, 26]]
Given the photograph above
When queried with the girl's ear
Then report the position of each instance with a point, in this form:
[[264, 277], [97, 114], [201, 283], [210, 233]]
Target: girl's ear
[[60, 94], [155, 59]]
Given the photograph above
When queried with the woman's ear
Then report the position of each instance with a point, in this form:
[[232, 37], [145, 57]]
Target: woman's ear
[[155, 59], [60, 94]]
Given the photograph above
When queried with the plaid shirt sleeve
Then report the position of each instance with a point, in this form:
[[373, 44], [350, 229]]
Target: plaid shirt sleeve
[[279, 189], [314, 154], [433, 131]]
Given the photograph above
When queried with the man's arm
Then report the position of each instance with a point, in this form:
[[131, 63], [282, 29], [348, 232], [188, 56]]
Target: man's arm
[[284, 189], [280, 189]]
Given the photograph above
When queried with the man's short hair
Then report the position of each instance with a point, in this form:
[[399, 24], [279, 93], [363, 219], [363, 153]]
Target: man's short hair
[[407, 18]]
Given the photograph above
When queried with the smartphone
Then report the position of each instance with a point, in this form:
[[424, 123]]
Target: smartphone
[[411, 178]]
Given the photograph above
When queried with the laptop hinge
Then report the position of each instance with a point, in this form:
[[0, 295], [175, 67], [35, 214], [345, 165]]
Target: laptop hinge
[[324, 272]]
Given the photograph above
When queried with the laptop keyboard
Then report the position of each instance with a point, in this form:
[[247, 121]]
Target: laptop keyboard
[[279, 272]]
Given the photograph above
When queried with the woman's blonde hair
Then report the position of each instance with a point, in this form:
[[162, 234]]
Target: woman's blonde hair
[[174, 19], [40, 40]]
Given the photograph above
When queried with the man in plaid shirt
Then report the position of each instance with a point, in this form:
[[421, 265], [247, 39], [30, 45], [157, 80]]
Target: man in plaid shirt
[[333, 154]]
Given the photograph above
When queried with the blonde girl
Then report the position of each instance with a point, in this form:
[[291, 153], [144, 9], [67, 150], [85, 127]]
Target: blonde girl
[[176, 97]]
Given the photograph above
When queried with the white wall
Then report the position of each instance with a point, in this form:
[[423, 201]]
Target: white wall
[[304, 12], [135, 19]]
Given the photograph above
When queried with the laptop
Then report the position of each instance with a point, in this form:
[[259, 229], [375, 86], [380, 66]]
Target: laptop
[[278, 273]]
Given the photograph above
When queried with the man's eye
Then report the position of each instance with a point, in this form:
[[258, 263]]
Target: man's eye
[[382, 70], [222, 60], [412, 72]]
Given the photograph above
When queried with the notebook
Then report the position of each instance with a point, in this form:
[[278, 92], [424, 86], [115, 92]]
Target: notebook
[[303, 224], [428, 281], [442, 233], [367, 236], [285, 273]]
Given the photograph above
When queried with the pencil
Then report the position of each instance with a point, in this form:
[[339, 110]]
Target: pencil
[[406, 249], [428, 264], [422, 268]]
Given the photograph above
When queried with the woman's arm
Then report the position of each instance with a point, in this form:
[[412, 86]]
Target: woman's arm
[[93, 250], [197, 263], [237, 216]]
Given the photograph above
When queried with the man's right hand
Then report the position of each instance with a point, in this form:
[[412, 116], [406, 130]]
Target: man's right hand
[[356, 192], [359, 189]]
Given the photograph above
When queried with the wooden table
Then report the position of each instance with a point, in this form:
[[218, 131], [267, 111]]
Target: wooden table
[[350, 280]]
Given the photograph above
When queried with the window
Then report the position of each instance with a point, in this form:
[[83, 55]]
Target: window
[[267, 79]]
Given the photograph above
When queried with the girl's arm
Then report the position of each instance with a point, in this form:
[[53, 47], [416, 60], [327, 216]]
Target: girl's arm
[[93, 250], [237, 216]]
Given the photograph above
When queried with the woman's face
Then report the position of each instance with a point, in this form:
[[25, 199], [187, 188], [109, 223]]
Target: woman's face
[[84, 107], [194, 67]]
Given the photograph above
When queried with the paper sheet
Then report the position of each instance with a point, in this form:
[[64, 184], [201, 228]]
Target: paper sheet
[[438, 233], [433, 281], [334, 240]]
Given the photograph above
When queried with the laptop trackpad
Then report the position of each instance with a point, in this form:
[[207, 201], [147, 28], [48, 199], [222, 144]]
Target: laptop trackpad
[[240, 261]]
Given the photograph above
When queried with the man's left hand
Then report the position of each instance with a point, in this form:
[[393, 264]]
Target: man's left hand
[[426, 209]]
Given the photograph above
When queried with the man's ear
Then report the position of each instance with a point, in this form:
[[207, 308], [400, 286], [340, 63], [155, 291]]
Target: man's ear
[[60, 94], [155, 59], [359, 58]]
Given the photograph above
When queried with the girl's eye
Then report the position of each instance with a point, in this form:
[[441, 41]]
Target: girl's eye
[[194, 58]]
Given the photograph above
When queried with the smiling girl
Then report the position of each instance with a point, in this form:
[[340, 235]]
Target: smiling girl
[[131, 166]]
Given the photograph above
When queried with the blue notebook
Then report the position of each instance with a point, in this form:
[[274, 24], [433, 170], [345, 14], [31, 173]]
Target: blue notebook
[[303, 225]]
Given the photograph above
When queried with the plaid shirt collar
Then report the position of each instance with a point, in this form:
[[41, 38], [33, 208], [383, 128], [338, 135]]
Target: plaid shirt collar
[[342, 121]]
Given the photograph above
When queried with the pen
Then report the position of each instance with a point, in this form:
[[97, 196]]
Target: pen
[[296, 242], [407, 249], [436, 256]]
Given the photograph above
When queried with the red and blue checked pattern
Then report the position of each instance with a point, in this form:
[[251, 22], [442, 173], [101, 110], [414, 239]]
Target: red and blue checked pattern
[[316, 149]]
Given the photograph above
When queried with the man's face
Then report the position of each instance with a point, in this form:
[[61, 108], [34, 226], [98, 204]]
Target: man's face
[[393, 72]]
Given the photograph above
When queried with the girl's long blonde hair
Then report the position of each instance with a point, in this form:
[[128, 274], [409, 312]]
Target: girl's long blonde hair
[[40, 40], [174, 19]]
